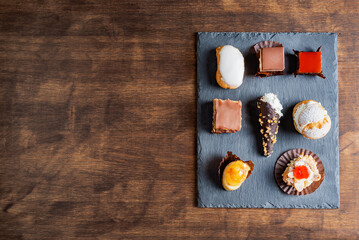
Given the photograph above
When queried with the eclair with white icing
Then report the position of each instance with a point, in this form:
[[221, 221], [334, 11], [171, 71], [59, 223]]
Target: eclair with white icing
[[311, 119], [230, 67]]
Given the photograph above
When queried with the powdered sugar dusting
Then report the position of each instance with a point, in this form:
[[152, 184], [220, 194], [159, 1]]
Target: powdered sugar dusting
[[314, 112]]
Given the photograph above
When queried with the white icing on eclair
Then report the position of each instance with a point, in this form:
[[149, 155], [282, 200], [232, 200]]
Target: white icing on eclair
[[231, 66]]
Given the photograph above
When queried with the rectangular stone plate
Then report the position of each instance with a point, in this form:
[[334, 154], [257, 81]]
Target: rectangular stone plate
[[260, 189]]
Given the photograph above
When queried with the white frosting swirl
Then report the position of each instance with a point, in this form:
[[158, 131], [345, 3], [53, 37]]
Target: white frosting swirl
[[272, 99]]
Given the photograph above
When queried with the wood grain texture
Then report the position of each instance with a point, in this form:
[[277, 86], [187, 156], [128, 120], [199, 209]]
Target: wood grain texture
[[98, 119]]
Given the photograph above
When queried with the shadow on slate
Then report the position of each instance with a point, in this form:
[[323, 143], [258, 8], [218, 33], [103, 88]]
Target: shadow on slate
[[250, 60], [212, 67], [207, 116], [290, 64], [286, 122], [252, 112], [212, 171]]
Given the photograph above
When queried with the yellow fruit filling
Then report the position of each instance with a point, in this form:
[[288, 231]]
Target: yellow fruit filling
[[235, 173]]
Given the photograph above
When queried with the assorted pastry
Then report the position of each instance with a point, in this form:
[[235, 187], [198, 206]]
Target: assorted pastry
[[230, 67], [270, 57], [269, 113], [227, 116], [309, 63], [311, 119], [233, 171], [301, 174]]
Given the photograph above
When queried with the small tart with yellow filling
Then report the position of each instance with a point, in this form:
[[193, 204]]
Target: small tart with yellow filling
[[233, 171]]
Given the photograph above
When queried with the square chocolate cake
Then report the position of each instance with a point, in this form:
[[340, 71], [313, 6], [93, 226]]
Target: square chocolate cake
[[227, 116], [271, 59]]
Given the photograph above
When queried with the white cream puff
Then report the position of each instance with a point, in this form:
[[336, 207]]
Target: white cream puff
[[311, 119], [301, 172], [230, 67]]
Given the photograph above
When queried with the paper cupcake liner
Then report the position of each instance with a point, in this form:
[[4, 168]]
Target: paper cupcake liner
[[266, 44], [281, 165]]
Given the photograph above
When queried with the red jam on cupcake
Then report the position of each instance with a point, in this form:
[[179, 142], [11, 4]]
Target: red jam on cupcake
[[301, 172]]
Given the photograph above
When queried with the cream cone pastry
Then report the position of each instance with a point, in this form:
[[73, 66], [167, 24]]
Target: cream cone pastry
[[269, 114]]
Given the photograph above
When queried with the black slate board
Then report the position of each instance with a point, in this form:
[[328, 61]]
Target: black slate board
[[261, 190]]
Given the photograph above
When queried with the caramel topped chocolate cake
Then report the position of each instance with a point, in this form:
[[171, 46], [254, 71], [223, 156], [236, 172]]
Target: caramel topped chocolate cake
[[227, 116], [271, 59], [270, 56]]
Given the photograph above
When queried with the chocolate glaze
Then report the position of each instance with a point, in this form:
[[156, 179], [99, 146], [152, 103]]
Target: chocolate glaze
[[268, 120], [268, 74], [312, 74], [231, 158], [272, 59], [226, 116]]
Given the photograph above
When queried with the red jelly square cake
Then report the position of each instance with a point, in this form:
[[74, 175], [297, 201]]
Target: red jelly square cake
[[310, 62]]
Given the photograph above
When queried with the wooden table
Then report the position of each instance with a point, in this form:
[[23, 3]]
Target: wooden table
[[98, 119]]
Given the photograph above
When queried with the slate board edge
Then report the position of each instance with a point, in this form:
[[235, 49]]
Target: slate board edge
[[268, 205]]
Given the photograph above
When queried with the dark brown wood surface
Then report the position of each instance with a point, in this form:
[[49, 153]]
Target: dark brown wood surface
[[98, 119]]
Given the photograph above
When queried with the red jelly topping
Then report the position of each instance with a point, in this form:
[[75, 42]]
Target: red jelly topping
[[310, 62], [301, 172]]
